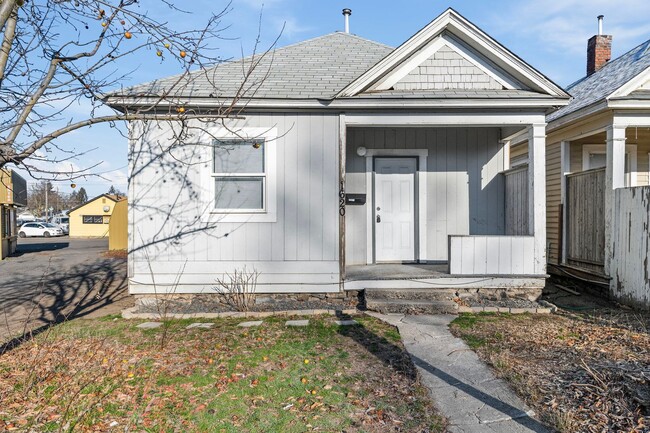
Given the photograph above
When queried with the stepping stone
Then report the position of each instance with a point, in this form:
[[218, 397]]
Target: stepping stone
[[346, 322], [200, 325], [149, 325], [297, 323], [250, 324]]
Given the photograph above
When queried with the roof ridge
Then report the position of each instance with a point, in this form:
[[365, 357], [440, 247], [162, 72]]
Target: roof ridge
[[380, 44]]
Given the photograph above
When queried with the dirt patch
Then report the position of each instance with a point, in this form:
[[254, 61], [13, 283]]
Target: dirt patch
[[587, 372], [116, 254]]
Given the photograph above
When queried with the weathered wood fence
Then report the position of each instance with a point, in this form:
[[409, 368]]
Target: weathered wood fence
[[516, 183], [630, 266], [585, 218]]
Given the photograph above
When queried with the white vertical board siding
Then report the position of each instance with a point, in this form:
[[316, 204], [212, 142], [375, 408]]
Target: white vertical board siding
[[465, 194], [630, 265], [491, 255], [295, 252]]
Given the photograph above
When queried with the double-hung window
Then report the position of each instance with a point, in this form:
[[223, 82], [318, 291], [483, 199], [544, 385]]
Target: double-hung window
[[239, 175]]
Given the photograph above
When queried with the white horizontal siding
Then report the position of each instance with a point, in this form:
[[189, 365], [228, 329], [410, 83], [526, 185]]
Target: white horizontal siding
[[491, 255]]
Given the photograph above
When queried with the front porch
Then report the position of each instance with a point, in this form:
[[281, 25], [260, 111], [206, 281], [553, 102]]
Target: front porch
[[432, 276], [432, 204]]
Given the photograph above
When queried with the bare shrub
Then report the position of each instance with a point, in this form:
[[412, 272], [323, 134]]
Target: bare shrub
[[238, 289]]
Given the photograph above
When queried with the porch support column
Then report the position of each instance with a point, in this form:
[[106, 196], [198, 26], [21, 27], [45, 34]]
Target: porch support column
[[342, 153], [614, 178], [537, 192], [565, 168]]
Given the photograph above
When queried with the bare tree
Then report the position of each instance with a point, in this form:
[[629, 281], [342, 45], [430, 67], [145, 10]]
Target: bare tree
[[57, 54]]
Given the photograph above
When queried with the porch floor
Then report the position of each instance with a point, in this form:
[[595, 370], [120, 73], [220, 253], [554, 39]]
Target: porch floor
[[396, 271]]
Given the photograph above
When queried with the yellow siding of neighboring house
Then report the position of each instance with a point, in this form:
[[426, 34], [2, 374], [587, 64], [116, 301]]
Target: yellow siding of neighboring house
[[7, 215], [553, 196], [118, 227], [96, 207]]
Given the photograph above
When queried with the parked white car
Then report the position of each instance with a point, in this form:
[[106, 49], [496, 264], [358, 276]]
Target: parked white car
[[40, 229]]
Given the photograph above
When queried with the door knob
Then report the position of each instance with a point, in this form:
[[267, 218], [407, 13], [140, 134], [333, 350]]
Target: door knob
[[378, 219]]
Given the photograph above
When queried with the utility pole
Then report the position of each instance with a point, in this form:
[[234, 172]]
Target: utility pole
[[47, 186]]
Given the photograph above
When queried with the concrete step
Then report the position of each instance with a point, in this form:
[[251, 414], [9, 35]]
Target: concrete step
[[433, 294], [405, 306]]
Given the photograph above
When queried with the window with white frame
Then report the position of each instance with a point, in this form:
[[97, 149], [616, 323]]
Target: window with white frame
[[595, 156], [239, 174]]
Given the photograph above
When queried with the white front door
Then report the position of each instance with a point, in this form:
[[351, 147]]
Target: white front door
[[394, 215]]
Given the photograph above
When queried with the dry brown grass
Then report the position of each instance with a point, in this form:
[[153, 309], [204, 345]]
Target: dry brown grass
[[582, 374]]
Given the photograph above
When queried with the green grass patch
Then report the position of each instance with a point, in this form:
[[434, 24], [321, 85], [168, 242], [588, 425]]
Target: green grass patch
[[322, 377]]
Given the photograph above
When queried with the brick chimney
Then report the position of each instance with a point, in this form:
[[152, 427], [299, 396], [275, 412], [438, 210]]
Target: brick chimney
[[599, 49]]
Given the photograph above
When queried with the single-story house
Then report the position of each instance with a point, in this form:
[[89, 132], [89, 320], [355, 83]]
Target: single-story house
[[598, 174], [348, 165], [91, 219], [13, 195]]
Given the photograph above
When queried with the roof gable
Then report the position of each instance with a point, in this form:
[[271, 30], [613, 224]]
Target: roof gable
[[453, 31], [111, 197]]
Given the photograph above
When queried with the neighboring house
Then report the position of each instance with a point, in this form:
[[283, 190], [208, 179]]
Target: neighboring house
[[350, 165], [13, 195], [91, 219], [598, 172]]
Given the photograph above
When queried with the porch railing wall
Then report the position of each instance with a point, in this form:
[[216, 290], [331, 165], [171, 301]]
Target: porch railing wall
[[491, 255]]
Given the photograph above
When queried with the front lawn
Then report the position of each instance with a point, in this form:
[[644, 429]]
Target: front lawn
[[581, 373], [107, 375]]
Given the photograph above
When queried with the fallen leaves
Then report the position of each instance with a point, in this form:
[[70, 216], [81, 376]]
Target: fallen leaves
[[581, 374], [132, 382]]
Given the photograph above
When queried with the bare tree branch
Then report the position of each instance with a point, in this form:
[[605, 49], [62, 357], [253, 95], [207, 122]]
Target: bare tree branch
[[7, 42], [6, 7]]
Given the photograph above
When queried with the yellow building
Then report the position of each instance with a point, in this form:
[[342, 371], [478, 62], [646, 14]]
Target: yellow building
[[91, 219], [13, 194]]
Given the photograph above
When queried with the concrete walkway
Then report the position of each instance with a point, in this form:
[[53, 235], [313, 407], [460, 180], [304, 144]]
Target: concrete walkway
[[463, 388]]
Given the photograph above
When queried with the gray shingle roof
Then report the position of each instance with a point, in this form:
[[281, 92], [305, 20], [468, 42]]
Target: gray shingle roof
[[604, 82], [315, 68]]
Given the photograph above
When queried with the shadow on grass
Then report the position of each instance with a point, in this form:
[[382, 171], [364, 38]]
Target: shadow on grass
[[403, 362], [390, 354], [31, 307]]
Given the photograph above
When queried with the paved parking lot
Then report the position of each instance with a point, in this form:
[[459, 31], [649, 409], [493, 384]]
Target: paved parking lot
[[51, 279]]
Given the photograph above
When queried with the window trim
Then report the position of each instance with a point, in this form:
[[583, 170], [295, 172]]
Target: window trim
[[269, 211], [630, 149], [262, 174], [93, 217]]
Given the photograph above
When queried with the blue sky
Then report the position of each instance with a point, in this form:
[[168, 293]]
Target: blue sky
[[550, 35]]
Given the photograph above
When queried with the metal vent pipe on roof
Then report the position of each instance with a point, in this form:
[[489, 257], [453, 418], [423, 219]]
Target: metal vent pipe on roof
[[346, 13], [600, 24]]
